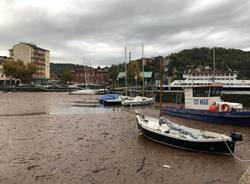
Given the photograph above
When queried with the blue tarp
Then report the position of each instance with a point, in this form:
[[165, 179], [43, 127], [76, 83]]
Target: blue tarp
[[108, 97]]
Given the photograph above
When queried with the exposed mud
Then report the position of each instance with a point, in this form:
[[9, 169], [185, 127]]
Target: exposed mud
[[68, 144]]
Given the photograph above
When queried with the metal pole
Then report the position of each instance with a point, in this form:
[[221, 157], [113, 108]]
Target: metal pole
[[213, 64], [161, 76], [142, 64], [85, 74], [126, 77]]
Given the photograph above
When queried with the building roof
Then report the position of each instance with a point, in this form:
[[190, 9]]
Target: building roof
[[31, 45]]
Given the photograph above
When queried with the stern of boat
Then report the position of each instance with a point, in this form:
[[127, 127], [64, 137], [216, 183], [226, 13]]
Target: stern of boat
[[236, 136]]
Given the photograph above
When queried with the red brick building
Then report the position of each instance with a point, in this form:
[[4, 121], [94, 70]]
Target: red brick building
[[93, 75]]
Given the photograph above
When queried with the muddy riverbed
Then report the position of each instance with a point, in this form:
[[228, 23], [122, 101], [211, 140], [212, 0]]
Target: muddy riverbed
[[46, 140]]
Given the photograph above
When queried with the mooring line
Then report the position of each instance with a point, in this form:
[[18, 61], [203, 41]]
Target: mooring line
[[235, 155]]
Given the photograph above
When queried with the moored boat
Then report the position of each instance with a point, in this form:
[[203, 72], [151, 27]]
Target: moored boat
[[204, 103], [110, 99], [166, 132], [137, 100], [83, 92]]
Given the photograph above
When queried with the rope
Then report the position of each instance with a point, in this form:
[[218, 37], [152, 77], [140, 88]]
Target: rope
[[235, 155]]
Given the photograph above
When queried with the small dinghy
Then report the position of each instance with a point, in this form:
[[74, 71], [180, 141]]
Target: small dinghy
[[166, 132]]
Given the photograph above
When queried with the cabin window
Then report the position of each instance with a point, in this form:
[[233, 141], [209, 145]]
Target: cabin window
[[215, 91], [201, 92]]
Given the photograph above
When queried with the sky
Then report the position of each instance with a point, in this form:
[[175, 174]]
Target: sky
[[98, 30]]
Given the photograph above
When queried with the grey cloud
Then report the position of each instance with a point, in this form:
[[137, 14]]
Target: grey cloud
[[100, 29]]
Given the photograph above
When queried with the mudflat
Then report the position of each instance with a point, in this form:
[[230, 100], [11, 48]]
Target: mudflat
[[46, 140]]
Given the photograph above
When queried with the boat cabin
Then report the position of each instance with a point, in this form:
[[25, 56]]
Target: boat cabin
[[201, 97]]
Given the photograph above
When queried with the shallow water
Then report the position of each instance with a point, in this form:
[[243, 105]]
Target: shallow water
[[46, 140]]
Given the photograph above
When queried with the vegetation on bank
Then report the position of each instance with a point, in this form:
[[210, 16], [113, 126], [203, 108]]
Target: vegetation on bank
[[17, 69]]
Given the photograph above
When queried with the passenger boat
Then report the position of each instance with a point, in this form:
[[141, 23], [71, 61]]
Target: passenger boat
[[136, 101], [166, 132], [204, 103], [228, 80]]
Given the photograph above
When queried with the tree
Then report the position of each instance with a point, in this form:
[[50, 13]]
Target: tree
[[19, 70], [66, 76]]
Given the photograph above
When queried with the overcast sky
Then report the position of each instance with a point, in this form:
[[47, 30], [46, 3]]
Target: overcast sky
[[99, 29]]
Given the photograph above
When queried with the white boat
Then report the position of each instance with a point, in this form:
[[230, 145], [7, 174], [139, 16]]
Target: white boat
[[83, 92], [137, 100], [166, 132], [229, 81]]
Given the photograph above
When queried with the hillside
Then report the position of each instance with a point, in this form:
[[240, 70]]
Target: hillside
[[226, 59]]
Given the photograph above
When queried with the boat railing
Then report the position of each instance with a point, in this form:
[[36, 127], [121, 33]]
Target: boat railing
[[245, 109]]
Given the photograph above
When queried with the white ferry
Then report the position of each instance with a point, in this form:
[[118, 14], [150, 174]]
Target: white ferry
[[228, 80]]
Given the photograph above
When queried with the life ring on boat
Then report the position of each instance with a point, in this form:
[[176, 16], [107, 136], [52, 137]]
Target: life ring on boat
[[225, 108]]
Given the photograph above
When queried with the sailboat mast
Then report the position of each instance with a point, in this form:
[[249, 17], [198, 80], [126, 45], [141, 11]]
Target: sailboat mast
[[126, 75], [161, 76], [213, 64], [85, 74], [142, 65]]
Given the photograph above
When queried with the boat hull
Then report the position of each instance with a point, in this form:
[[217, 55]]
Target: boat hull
[[232, 118], [208, 147], [109, 102], [139, 102]]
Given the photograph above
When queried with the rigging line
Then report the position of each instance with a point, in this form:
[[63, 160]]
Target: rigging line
[[235, 156]]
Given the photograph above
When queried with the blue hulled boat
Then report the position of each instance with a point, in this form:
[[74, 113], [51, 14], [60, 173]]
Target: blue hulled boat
[[110, 99], [203, 103]]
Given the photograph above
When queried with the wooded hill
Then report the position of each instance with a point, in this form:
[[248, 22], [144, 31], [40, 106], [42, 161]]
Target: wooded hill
[[226, 60]]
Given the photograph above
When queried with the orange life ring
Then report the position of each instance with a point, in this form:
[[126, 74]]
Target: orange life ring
[[225, 108]]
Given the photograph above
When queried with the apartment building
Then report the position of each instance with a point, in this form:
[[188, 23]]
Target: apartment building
[[30, 53]]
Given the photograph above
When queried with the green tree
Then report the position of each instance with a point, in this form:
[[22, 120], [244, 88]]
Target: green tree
[[66, 76], [19, 70]]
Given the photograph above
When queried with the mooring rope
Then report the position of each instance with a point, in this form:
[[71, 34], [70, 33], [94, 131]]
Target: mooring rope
[[235, 155]]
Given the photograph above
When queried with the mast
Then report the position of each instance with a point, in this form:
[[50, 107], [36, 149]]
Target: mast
[[213, 64], [142, 65], [126, 76], [85, 74], [161, 76]]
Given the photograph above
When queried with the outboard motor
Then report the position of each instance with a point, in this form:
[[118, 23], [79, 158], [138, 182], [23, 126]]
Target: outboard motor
[[236, 136]]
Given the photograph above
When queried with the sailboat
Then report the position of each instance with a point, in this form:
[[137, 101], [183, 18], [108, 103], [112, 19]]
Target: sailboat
[[86, 91], [137, 100], [172, 134]]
